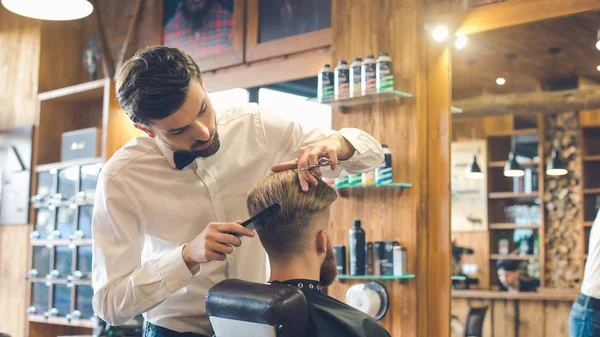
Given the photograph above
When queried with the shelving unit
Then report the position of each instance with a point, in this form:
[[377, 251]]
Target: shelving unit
[[589, 139], [504, 192]]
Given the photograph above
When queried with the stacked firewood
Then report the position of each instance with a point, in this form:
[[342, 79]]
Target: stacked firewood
[[563, 203]]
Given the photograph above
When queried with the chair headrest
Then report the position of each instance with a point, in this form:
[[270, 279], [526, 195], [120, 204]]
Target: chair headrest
[[270, 304]]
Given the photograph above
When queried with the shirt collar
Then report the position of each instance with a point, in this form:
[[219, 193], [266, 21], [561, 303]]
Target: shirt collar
[[168, 154]]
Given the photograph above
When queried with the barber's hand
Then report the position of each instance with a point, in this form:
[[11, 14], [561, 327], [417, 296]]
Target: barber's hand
[[216, 240], [333, 147]]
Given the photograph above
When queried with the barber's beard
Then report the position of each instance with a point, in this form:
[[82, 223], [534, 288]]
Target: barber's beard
[[209, 151], [328, 268]]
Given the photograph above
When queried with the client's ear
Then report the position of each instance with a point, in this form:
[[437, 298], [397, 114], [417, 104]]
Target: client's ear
[[322, 241]]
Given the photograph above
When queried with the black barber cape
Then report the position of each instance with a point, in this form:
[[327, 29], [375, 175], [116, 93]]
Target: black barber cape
[[329, 317]]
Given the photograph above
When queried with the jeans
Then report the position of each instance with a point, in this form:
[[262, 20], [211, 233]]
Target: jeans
[[584, 322], [158, 331]]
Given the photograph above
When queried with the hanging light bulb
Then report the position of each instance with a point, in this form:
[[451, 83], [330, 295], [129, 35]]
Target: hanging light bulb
[[473, 170], [556, 166], [512, 168], [55, 10], [598, 40]]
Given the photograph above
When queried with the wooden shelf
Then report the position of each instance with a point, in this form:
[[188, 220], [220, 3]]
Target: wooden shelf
[[511, 195], [591, 158], [82, 242], [501, 163], [60, 281], [591, 191], [532, 131], [82, 323], [68, 163], [588, 224], [84, 92], [514, 257], [500, 226], [540, 295]]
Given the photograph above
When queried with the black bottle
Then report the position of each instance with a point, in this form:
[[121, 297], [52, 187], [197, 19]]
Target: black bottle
[[356, 240]]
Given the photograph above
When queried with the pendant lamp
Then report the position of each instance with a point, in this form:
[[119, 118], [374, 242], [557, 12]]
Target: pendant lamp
[[512, 167], [473, 171], [556, 166], [54, 10]]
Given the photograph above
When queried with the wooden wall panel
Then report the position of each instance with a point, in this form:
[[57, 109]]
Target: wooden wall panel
[[20, 41], [13, 270], [361, 27]]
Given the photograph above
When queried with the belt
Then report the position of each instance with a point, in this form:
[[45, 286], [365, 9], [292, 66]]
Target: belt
[[158, 331], [588, 302]]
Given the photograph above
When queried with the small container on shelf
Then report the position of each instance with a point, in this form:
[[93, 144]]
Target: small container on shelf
[[68, 179], [83, 301], [85, 220], [63, 260], [65, 221], [81, 144], [62, 300]]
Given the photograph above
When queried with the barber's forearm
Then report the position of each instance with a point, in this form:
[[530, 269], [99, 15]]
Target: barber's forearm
[[347, 150]]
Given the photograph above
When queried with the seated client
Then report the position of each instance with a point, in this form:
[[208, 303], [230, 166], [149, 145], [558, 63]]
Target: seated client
[[297, 239]]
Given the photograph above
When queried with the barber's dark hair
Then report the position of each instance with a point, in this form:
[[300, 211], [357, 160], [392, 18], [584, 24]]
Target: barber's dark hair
[[154, 83]]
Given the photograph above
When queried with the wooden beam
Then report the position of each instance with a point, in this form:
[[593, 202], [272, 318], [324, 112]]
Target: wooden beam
[[108, 65], [587, 98], [132, 24], [510, 13]]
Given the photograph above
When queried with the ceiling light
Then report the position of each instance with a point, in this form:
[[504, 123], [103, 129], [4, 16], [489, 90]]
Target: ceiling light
[[461, 41], [500, 81], [556, 166], [512, 167], [473, 170], [598, 68], [440, 33], [55, 10]]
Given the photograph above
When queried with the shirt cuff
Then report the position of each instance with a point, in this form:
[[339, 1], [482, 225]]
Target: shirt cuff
[[174, 271], [352, 136]]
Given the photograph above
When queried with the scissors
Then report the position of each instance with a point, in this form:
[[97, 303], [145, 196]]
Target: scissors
[[324, 161]]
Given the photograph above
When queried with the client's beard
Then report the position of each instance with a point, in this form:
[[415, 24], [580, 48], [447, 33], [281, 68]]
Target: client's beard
[[328, 268]]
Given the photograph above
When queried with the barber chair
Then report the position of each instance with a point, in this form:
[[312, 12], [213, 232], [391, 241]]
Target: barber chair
[[247, 309]]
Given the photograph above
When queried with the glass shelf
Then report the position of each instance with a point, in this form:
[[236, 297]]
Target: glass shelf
[[373, 186], [376, 97], [375, 277]]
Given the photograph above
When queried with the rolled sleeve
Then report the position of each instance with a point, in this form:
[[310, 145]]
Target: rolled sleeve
[[174, 271]]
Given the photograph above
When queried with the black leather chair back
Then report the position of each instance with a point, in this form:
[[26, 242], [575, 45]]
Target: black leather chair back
[[248, 309]]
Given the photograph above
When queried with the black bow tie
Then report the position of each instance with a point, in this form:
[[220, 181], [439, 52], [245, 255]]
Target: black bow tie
[[182, 158]]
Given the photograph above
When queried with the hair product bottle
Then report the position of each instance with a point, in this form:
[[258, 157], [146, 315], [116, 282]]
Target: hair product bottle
[[356, 238]]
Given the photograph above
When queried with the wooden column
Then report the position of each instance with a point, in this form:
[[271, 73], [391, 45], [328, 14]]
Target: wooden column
[[417, 131]]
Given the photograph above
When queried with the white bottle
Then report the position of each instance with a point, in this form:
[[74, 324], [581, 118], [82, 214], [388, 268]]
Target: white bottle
[[384, 73], [325, 84], [368, 75], [341, 79], [355, 77]]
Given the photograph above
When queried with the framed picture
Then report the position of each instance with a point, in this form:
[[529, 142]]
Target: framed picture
[[211, 31], [283, 27]]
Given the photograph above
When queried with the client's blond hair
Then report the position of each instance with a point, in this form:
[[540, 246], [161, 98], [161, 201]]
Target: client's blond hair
[[283, 233]]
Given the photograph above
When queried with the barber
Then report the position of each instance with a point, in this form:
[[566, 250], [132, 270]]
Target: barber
[[169, 203], [584, 320]]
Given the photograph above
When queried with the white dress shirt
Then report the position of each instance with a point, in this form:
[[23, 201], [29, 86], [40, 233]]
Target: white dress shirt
[[146, 210], [591, 279]]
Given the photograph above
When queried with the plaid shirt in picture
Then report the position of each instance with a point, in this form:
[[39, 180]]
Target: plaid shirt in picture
[[212, 38]]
